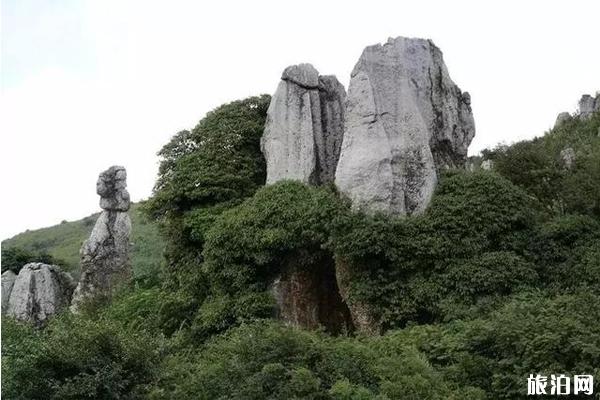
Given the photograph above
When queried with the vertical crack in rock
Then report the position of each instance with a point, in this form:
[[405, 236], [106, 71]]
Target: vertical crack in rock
[[38, 292], [105, 254], [405, 121], [304, 127], [302, 141]]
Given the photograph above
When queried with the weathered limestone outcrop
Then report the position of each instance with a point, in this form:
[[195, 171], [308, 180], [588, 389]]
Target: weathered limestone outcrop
[[405, 120], [304, 127], [39, 291], [588, 105], [567, 157], [105, 254], [8, 280]]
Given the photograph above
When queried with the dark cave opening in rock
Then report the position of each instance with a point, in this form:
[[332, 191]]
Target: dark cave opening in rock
[[308, 296]]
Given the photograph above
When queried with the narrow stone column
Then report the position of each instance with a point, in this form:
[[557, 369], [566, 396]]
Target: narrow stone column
[[105, 255]]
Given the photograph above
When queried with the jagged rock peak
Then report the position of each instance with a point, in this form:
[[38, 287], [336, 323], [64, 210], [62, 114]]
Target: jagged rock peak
[[105, 254], [405, 121], [38, 292], [304, 128], [112, 189]]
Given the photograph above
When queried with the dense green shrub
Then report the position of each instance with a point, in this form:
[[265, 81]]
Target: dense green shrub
[[269, 361], [536, 166], [247, 246], [469, 245], [14, 258], [207, 170], [77, 358], [532, 333], [202, 173]]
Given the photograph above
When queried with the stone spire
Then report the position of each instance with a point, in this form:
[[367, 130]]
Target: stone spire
[[105, 254], [405, 121], [304, 127]]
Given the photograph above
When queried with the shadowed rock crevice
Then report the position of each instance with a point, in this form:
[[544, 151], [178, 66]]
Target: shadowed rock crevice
[[307, 295]]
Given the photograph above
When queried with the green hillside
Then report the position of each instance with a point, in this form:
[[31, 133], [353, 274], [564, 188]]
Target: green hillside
[[64, 240], [497, 279]]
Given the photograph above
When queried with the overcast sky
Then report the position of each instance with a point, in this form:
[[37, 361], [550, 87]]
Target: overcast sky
[[89, 84]]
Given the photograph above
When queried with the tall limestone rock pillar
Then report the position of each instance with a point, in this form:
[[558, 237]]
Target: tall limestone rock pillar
[[405, 121], [304, 128], [302, 141], [105, 255]]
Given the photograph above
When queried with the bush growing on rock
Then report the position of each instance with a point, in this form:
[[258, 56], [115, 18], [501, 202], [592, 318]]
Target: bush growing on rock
[[476, 229]]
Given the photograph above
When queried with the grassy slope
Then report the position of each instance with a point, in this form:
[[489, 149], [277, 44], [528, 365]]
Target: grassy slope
[[64, 240]]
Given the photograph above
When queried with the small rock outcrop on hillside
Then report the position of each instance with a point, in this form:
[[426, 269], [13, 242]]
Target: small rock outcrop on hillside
[[567, 157], [405, 120], [588, 105], [562, 118], [38, 292], [105, 254], [304, 127]]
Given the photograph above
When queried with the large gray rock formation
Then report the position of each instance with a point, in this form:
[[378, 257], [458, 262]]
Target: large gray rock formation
[[39, 291], [405, 120], [588, 105], [8, 280], [105, 254], [304, 127]]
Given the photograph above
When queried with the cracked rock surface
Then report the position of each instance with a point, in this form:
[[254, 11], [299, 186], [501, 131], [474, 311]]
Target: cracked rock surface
[[405, 121], [304, 128], [39, 291], [105, 254], [588, 105]]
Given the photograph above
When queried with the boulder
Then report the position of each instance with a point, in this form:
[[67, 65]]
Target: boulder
[[8, 280], [567, 157], [562, 118], [105, 254], [405, 121], [39, 291], [304, 127]]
